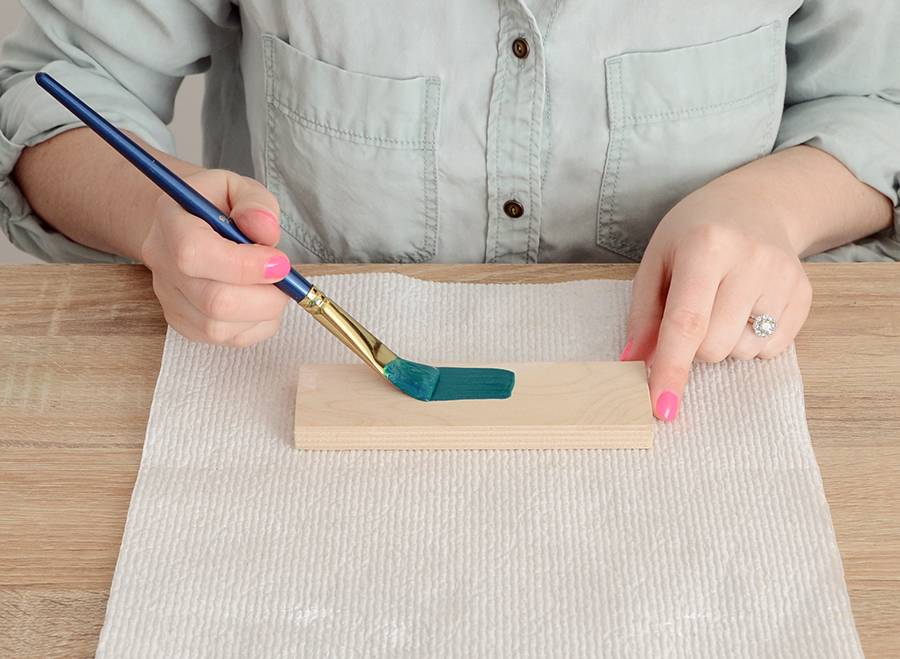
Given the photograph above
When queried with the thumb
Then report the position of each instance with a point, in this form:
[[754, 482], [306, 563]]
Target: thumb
[[254, 209], [645, 314]]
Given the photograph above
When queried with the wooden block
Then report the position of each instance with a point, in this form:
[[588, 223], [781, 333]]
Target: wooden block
[[554, 405]]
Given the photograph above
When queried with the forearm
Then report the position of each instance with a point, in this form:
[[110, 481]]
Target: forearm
[[820, 203], [82, 188]]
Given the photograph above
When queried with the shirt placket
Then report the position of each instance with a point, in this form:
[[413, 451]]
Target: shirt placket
[[514, 139]]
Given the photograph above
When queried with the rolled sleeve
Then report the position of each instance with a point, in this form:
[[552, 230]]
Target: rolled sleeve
[[843, 97], [132, 82]]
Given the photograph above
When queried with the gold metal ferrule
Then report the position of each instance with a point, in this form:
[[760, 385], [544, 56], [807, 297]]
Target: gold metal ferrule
[[350, 332]]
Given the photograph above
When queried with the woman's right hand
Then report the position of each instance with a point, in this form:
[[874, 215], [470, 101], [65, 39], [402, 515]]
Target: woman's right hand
[[212, 289]]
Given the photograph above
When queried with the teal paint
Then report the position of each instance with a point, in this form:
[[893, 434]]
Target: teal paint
[[471, 383], [427, 383]]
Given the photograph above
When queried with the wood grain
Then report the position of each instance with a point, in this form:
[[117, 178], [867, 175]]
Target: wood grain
[[80, 348], [577, 405]]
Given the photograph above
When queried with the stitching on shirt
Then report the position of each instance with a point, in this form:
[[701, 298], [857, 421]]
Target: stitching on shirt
[[348, 135], [500, 133], [609, 235], [635, 119], [613, 155], [531, 193], [334, 131], [546, 133], [534, 192], [425, 178], [614, 233], [773, 84], [548, 109], [537, 131], [268, 119], [550, 22], [494, 128], [267, 56], [432, 108]]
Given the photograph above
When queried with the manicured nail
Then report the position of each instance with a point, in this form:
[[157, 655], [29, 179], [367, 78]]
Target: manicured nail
[[268, 216], [626, 351], [277, 267], [667, 405]]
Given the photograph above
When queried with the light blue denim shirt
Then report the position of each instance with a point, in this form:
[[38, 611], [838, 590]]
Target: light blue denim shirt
[[469, 131]]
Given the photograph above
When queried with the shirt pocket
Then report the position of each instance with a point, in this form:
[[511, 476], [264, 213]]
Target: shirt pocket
[[680, 118], [352, 158]]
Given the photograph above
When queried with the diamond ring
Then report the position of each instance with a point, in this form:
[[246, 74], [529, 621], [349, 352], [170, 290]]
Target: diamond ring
[[763, 325]]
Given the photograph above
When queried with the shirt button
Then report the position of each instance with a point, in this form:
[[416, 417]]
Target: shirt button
[[520, 48], [513, 209]]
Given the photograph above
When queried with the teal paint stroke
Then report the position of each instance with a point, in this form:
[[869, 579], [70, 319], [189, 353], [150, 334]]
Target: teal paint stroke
[[473, 383], [428, 383]]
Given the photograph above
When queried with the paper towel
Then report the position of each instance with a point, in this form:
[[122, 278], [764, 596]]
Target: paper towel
[[717, 543]]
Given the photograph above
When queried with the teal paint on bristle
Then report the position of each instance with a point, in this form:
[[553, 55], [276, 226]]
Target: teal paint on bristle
[[427, 383], [413, 379]]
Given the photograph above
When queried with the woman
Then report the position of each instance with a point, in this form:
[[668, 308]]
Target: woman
[[716, 143]]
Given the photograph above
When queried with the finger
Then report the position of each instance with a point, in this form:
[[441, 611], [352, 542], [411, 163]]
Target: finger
[[689, 302], [198, 251], [733, 304], [646, 309], [749, 345], [256, 334], [795, 314], [773, 302], [254, 209], [178, 311], [230, 303], [190, 323]]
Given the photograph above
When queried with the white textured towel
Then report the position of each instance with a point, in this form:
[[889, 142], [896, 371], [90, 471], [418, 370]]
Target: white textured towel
[[717, 543]]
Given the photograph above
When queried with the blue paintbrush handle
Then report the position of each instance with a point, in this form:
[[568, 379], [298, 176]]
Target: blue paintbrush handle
[[189, 199]]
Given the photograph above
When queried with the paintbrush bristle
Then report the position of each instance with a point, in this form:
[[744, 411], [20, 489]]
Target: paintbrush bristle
[[425, 382], [412, 378]]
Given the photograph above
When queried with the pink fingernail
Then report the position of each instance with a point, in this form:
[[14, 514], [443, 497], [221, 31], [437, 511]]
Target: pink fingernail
[[667, 405], [267, 215], [277, 267], [626, 351]]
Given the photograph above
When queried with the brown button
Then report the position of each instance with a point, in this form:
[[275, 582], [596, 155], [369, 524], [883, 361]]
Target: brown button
[[520, 48], [513, 209]]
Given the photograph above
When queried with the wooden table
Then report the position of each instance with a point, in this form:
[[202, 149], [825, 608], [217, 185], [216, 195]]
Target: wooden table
[[80, 348]]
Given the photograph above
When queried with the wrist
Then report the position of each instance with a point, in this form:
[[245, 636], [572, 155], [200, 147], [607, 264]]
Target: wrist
[[816, 199], [769, 204]]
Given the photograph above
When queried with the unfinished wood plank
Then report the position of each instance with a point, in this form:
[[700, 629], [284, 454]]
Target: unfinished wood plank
[[554, 405]]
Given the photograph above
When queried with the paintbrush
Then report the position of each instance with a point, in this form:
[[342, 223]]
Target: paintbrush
[[420, 381]]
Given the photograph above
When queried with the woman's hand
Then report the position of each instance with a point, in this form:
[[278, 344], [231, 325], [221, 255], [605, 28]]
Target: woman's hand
[[210, 288], [720, 255]]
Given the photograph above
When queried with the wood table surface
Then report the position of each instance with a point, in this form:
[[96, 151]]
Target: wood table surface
[[80, 349]]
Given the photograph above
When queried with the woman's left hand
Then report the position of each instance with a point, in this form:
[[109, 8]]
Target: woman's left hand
[[720, 255]]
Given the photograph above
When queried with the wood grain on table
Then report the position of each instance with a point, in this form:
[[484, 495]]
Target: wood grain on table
[[80, 349]]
